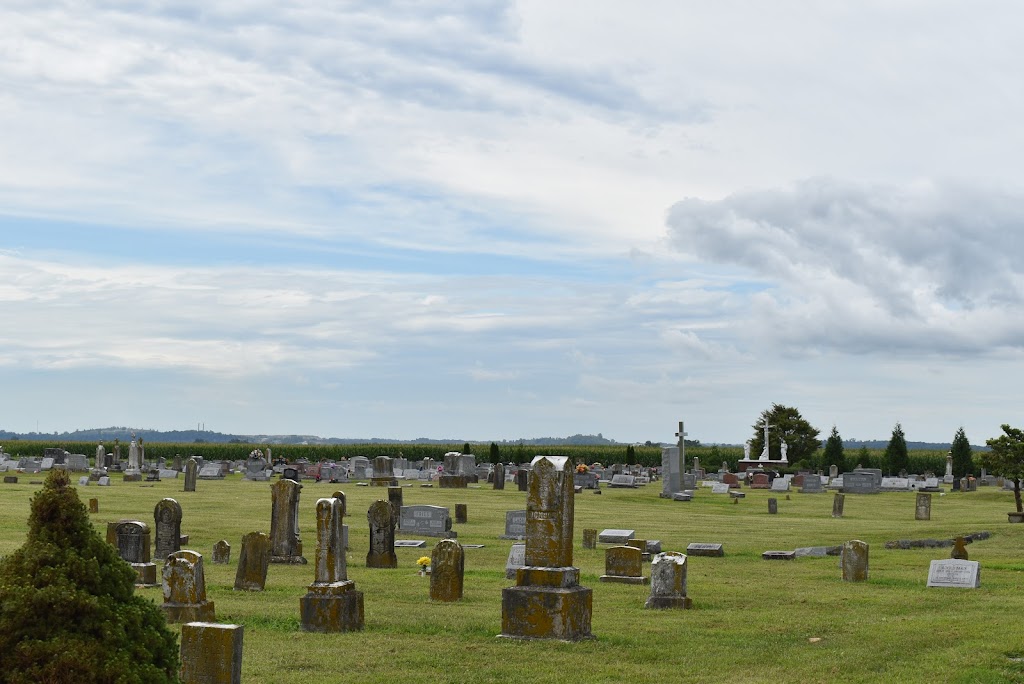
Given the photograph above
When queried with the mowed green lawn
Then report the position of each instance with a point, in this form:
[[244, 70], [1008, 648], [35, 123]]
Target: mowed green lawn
[[752, 621]]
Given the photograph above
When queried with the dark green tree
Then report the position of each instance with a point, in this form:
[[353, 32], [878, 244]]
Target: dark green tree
[[963, 461], [834, 455], [786, 423], [896, 457], [68, 612], [466, 449], [495, 454], [630, 454], [1006, 458]]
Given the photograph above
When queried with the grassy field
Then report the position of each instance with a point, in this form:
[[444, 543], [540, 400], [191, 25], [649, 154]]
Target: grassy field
[[752, 621]]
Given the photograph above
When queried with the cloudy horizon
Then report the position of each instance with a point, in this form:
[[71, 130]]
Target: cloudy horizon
[[511, 219]]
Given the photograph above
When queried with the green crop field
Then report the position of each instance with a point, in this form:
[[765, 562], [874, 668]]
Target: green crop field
[[752, 621]]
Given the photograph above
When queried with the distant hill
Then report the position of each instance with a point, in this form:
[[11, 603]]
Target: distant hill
[[124, 434]]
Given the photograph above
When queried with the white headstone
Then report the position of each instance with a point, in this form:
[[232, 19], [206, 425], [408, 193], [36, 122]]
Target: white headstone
[[964, 574]]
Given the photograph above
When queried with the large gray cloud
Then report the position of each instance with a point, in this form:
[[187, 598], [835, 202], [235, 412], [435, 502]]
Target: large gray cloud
[[858, 266]]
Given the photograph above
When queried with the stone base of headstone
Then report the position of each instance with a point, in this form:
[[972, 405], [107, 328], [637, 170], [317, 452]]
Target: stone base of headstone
[[189, 612], [211, 653], [146, 574], [333, 607], [661, 602], [624, 579], [132, 477], [452, 481], [289, 560], [383, 482], [547, 603]]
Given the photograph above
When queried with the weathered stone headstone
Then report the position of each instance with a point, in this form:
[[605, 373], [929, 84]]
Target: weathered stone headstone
[[256, 467], [523, 480], [461, 513], [383, 472], [167, 515], [719, 488], [833, 471], [211, 653], [211, 471], [253, 562], [133, 546], [623, 564], [94, 505], [499, 475], [222, 552], [448, 567], [812, 485], [837, 505], [285, 543], [959, 551], [615, 536], [548, 601], [332, 603], [854, 561], [191, 472], [589, 538], [185, 588], [668, 582], [423, 520], [670, 471], [760, 481], [515, 525], [516, 560], [623, 481], [923, 507], [382, 536], [780, 484], [963, 574], [773, 506], [451, 477], [395, 498]]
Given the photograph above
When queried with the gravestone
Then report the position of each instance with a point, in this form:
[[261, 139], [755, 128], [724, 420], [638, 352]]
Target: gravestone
[[383, 472], [959, 551], [861, 482], [670, 471], [222, 552], [963, 574], [773, 506], [837, 505], [94, 505], [705, 549], [185, 589], [359, 464], [429, 521], [623, 482], [499, 475], [547, 601], [447, 571], [689, 481], [133, 546], [812, 485], [668, 582], [332, 603], [395, 498], [719, 488], [103, 481], [451, 477], [253, 562], [516, 560], [77, 463], [923, 506], [211, 653], [461, 513], [779, 555], [515, 525], [191, 471], [780, 484], [760, 481], [211, 471], [854, 561], [256, 467], [285, 543], [589, 538], [833, 471], [615, 536], [382, 535], [623, 564], [167, 515], [523, 480]]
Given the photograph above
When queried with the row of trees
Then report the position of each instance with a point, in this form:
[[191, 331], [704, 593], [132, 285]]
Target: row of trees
[[802, 441]]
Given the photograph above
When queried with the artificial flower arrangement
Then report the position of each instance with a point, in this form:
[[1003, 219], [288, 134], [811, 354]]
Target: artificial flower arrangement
[[582, 468], [424, 563]]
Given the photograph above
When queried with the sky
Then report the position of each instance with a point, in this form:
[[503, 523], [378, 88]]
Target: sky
[[499, 220]]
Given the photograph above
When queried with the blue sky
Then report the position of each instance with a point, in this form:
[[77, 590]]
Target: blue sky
[[496, 220]]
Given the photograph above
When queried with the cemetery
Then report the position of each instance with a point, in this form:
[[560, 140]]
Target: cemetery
[[630, 585]]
